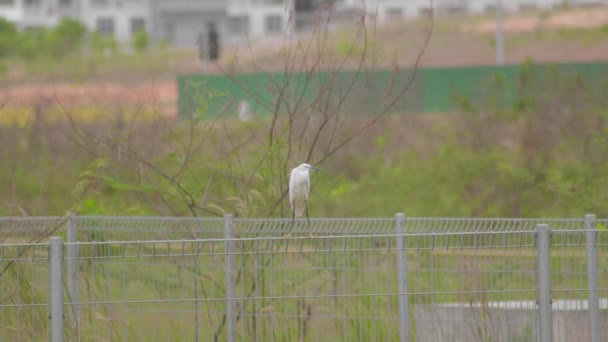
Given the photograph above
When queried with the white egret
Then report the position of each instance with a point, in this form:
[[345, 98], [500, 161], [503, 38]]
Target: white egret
[[299, 190]]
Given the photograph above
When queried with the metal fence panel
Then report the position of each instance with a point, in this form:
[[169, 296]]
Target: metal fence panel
[[285, 289], [475, 287], [24, 304], [601, 244], [158, 290], [570, 288]]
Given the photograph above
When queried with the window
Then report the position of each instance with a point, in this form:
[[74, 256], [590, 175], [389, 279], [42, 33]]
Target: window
[[238, 25], [456, 9], [304, 5], [32, 3], [138, 24], [169, 33], [527, 7], [394, 12], [105, 26], [7, 2], [99, 3], [273, 24], [426, 12]]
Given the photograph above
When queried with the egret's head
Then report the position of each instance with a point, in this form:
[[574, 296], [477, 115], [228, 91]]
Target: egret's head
[[308, 167]]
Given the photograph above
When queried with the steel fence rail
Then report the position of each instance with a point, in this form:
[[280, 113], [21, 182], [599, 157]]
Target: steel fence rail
[[89, 228], [30, 227]]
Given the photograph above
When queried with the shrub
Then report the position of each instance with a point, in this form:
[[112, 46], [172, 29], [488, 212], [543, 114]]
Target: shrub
[[141, 41], [8, 35], [67, 37], [101, 44], [32, 43]]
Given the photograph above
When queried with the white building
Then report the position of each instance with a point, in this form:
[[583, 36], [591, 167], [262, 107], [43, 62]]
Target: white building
[[183, 22], [114, 17], [120, 18], [386, 9], [255, 18], [33, 13]]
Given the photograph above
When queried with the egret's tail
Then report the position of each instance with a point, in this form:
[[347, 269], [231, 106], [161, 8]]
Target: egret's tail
[[299, 208]]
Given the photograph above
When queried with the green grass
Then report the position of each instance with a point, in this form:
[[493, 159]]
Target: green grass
[[155, 63], [422, 165], [565, 37]]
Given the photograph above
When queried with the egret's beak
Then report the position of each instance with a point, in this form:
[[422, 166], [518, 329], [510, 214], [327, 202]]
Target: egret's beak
[[314, 169]]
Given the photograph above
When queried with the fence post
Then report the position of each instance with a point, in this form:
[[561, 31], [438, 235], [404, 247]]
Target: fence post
[[230, 281], [543, 239], [72, 261], [56, 314], [404, 305], [592, 282]]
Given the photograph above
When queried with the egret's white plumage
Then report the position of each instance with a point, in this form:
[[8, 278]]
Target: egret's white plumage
[[299, 189]]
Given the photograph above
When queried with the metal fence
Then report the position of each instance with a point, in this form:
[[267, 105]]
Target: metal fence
[[393, 279], [103, 228]]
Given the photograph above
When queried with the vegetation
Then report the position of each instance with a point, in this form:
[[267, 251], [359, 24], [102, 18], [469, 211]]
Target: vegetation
[[545, 156], [141, 42], [8, 34], [69, 52], [68, 38]]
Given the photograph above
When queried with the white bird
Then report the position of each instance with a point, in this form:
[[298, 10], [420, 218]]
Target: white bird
[[299, 190]]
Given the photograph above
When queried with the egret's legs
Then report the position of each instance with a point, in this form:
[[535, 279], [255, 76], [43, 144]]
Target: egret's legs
[[293, 216], [308, 222]]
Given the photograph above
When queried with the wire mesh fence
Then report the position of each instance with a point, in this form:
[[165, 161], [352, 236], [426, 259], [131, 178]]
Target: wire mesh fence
[[419, 280], [118, 228], [28, 229], [579, 271], [23, 291]]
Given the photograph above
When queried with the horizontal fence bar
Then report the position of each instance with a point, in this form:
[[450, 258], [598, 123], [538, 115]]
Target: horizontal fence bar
[[184, 225], [324, 296], [302, 238]]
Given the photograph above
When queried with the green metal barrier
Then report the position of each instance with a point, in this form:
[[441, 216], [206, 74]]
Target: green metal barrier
[[366, 92]]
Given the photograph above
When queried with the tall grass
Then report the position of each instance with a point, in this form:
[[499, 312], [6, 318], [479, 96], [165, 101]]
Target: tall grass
[[427, 165]]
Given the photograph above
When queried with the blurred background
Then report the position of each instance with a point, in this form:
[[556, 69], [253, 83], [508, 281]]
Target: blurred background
[[158, 107]]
